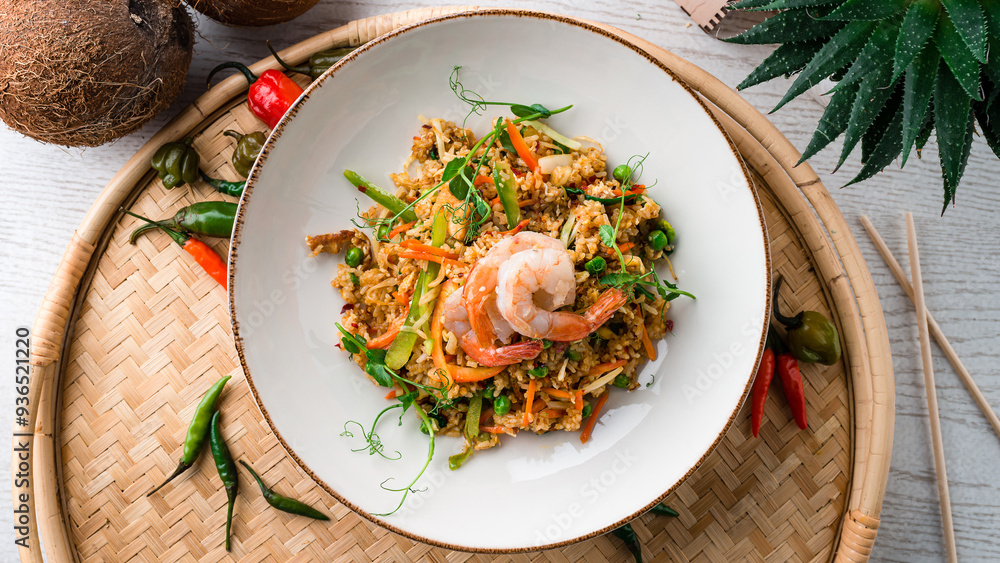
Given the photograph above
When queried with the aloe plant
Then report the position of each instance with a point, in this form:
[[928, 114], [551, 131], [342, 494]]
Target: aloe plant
[[903, 69]]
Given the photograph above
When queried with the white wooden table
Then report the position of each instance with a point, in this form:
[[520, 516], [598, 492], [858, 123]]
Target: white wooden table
[[46, 191]]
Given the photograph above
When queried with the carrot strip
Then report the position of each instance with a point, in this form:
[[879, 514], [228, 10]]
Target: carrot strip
[[521, 147], [482, 179], [600, 369], [400, 298], [527, 202], [530, 398], [636, 190], [401, 229], [625, 247], [588, 429], [557, 393], [384, 340], [411, 244], [644, 336], [578, 400], [517, 228], [391, 394], [458, 373], [417, 255], [495, 201]]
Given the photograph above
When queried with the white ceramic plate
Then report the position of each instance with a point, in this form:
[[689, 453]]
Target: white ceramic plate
[[534, 491]]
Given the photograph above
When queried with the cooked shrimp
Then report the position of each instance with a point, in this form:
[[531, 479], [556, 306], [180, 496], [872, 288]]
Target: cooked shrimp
[[530, 284], [479, 294], [456, 319]]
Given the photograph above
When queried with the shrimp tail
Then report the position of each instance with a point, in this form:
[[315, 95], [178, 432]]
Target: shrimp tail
[[500, 356], [605, 306]]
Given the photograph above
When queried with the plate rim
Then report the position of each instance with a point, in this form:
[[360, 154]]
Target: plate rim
[[291, 112]]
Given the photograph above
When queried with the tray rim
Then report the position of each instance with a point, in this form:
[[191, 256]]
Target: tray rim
[[845, 278]]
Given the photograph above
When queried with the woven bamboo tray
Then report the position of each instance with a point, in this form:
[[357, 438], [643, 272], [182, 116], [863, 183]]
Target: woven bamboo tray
[[129, 337]]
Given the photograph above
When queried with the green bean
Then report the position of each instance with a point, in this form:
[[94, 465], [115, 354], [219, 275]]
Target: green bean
[[501, 405], [657, 240], [354, 256], [472, 416], [381, 197], [283, 503], [503, 181], [227, 470], [197, 430]]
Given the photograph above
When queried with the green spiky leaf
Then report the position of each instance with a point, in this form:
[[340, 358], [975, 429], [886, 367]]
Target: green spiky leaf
[[917, 28], [968, 19], [750, 4], [788, 27], [837, 53], [793, 4], [925, 133], [785, 60], [884, 150], [989, 122], [879, 48], [991, 70], [833, 122], [871, 139], [917, 89], [873, 91], [960, 60], [953, 120], [867, 10], [991, 8]]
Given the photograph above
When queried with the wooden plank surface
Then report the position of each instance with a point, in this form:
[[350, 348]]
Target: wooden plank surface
[[46, 190]]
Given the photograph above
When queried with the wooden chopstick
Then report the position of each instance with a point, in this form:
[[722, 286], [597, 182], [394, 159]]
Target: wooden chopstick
[[931, 390], [935, 329]]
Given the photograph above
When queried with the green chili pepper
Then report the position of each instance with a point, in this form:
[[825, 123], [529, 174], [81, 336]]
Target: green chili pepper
[[283, 503], [176, 163], [810, 336], [472, 416], [596, 265], [627, 535], [247, 150], [318, 62], [501, 405], [506, 185], [225, 187], [209, 218], [227, 469], [381, 197], [197, 431], [664, 510]]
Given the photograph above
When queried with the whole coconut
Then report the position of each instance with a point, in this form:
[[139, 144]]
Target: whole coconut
[[252, 13], [85, 72]]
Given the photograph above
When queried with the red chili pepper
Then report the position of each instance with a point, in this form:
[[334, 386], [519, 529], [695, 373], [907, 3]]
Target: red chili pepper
[[761, 383], [208, 259], [270, 94], [791, 382]]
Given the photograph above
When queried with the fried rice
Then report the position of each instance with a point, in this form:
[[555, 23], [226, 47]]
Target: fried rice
[[378, 290]]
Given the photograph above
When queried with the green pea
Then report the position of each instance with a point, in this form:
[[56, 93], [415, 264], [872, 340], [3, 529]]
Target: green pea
[[574, 355], [354, 257], [668, 229], [540, 371], [596, 265], [658, 240], [383, 232], [354, 279], [587, 409], [605, 333], [622, 172], [622, 381], [488, 392], [501, 405]]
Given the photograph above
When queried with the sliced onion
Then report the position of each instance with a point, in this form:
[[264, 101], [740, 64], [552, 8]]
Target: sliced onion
[[549, 163], [587, 142]]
